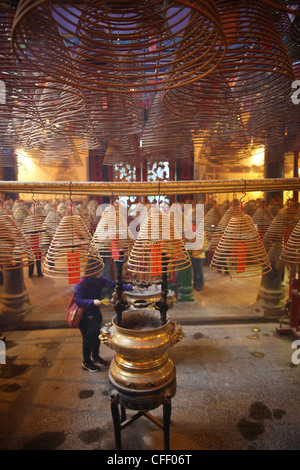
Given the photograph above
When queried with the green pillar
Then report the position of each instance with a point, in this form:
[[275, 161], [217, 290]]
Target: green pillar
[[185, 283]]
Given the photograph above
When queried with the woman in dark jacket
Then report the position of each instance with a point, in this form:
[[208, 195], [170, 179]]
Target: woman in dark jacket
[[87, 294]]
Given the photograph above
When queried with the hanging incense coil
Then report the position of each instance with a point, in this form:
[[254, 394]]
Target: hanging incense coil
[[183, 224], [15, 251], [291, 250], [20, 214], [262, 218], [169, 44], [211, 221], [158, 248], [112, 236], [122, 150], [71, 250], [234, 209], [49, 227], [281, 226], [257, 64], [166, 137], [32, 228], [241, 249]]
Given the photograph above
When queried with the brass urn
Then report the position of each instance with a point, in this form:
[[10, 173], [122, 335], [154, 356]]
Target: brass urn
[[141, 363]]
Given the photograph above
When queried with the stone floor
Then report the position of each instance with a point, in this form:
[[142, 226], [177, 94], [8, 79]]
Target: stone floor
[[237, 379]]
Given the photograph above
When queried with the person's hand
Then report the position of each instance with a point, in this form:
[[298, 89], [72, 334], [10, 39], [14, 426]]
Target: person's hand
[[97, 302]]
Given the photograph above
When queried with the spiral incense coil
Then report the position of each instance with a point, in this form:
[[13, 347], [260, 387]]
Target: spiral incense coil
[[49, 227], [15, 251], [71, 250], [211, 221], [281, 226], [262, 218], [112, 236], [158, 248], [234, 209], [151, 38], [241, 249], [33, 224], [165, 133], [291, 251], [122, 150], [20, 214]]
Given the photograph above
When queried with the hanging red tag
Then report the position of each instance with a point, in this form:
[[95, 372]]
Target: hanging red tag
[[115, 253], [155, 252], [241, 258], [34, 243], [73, 267]]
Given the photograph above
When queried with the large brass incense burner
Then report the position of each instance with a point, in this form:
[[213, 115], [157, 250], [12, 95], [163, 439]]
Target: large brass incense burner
[[142, 376], [141, 365]]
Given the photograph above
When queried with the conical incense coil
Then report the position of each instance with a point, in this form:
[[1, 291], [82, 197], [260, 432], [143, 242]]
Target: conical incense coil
[[20, 214], [49, 226], [15, 250], [158, 248], [281, 226], [262, 219], [234, 209], [112, 236], [291, 251], [168, 44], [241, 249], [211, 221], [70, 251]]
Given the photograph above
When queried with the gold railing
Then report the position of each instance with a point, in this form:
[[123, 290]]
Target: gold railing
[[151, 189]]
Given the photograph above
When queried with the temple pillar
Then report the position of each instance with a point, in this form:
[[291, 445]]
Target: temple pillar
[[271, 292], [14, 301], [185, 282]]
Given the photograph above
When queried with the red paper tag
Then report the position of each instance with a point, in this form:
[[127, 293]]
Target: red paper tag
[[34, 243], [241, 259], [155, 252], [73, 267], [115, 249]]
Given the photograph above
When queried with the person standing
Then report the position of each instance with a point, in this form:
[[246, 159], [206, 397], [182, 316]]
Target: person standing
[[87, 294]]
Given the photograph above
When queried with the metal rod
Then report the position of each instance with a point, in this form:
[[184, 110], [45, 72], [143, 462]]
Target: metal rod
[[147, 189]]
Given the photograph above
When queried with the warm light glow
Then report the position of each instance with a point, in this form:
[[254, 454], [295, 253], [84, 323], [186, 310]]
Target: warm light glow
[[24, 162], [258, 155]]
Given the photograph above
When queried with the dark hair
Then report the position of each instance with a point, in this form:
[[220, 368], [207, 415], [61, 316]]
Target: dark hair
[[93, 267]]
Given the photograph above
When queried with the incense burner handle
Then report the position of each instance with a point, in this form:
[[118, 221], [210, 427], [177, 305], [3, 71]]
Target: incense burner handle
[[177, 334], [106, 336]]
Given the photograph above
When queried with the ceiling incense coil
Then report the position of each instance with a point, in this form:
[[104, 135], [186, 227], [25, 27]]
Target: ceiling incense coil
[[71, 250], [241, 249], [112, 236], [15, 251], [158, 248], [123, 149], [291, 251], [168, 43], [257, 65], [166, 136]]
